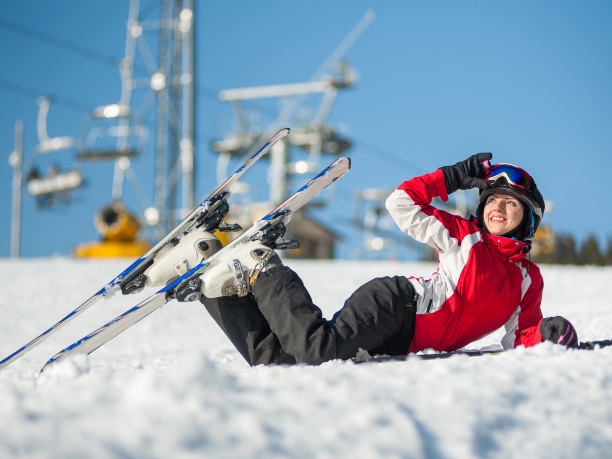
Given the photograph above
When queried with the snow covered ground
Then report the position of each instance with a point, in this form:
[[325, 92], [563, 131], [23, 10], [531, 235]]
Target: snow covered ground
[[172, 386]]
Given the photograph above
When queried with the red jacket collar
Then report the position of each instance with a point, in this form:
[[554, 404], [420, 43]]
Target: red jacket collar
[[508, 247]]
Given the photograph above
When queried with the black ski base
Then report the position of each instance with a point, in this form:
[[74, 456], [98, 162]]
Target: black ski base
[[364, 357]]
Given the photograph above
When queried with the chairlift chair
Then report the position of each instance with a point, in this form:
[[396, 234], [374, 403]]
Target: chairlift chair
[[109, 133], [55, 185]]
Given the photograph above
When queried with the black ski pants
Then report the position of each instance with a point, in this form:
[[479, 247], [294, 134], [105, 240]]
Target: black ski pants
[[279, 323]]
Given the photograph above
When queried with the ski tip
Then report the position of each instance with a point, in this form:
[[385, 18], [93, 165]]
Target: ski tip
[[280, 134], [345, 164]]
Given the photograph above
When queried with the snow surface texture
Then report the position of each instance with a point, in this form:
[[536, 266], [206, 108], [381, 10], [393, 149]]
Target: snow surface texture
[[172, 386]]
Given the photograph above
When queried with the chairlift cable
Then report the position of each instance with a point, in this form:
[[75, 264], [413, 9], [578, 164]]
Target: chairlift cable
[[60, 43], [27, 91]]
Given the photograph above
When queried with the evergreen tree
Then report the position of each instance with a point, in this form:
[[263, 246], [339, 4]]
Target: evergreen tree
[[589, 253], [566, 250], [608, 253]]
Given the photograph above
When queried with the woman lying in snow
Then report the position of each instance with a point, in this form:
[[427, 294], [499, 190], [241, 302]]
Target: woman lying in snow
[[483, 282]]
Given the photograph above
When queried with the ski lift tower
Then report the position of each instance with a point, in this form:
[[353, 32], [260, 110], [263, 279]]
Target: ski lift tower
[[313, 136], [160, 84]]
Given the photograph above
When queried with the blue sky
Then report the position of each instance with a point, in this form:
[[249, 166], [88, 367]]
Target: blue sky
[[438, 81]]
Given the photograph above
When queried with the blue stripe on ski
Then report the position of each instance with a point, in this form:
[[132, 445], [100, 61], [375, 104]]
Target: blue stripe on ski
[[183, 277], [91, 335], [120, 277], [273, 213]]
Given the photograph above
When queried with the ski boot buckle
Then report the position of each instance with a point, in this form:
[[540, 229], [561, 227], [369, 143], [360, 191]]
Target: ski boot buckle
[[240, 284]]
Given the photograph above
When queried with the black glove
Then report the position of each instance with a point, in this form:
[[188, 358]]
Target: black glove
[[466, 174], [558, 330]]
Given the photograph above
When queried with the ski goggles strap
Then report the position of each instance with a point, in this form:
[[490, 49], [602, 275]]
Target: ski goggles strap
[[514, 176]]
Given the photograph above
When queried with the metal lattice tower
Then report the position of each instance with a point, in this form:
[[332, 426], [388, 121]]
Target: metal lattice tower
[[153, 82], [313, 136]]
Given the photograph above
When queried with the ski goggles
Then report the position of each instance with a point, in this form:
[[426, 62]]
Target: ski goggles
[[514, 176]]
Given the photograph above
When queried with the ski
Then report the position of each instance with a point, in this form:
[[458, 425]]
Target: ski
[[592, 345], [208, 213], [186, 288], [365, 357]]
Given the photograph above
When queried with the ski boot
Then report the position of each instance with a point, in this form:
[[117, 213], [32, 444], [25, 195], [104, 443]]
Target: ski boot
[[237, 273], [193, 248]]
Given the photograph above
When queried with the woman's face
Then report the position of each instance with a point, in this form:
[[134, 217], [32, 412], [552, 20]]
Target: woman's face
[[502, 213]]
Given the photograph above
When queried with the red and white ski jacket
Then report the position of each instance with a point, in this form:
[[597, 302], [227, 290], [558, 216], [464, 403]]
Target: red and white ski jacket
[[482, 283]]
